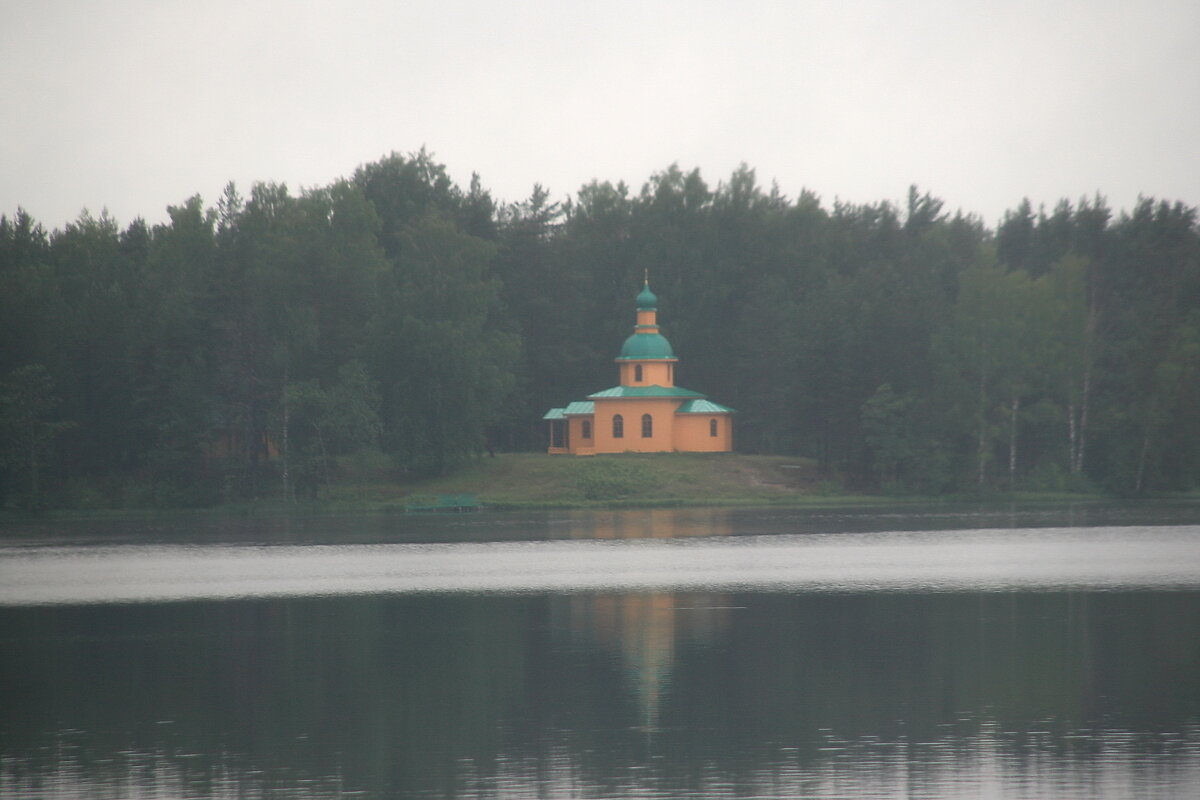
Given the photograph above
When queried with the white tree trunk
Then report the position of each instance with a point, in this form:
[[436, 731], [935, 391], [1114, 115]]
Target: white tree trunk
[[982, 429], [284, 443], [1012, 443]]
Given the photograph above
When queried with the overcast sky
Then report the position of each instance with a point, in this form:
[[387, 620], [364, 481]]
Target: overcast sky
[[133, 106]]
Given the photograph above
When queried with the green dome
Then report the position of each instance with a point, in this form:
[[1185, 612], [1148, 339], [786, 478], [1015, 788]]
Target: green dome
[[646, 301], [646, 345]]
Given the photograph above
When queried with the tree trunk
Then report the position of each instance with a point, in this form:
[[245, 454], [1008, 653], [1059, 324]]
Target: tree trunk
[[1072, 435], [1012, 443], [34, 482], [1148, 428], [283, 442], [1089, 333], [1081, 443], [1140, 483], [982, 429], [324, 455]]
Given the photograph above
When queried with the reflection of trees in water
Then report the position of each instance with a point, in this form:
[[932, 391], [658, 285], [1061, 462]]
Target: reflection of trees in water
[[456, 695], [807, 680], [386, 694], [78, 771]]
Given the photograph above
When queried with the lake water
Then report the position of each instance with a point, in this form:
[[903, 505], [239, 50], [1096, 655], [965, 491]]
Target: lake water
[[881, 653]]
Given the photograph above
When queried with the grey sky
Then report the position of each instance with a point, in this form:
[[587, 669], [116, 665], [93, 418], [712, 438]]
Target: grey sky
[[137, 105]]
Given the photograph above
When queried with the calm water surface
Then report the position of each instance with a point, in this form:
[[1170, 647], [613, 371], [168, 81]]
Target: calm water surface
[[907, 653]]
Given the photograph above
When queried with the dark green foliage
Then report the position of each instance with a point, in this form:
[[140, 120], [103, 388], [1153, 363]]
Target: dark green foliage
[[250, 349], [443, 360], [323, 423], [28, 428]]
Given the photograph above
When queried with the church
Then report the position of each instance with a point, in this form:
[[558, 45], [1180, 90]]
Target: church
[[646, 412]]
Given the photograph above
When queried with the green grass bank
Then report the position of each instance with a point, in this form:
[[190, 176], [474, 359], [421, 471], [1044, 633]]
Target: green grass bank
[[536, 480], [531, 481]]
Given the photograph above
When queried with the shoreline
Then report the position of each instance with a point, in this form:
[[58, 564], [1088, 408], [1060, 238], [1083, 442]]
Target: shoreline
[[540, 482]]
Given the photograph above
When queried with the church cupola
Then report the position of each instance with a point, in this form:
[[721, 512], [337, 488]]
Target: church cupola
[[646, 301], [646, 358]]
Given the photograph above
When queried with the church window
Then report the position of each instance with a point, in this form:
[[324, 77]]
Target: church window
[[637, 373], [647, 426], [712, 427], [618, 426], [587, 429]]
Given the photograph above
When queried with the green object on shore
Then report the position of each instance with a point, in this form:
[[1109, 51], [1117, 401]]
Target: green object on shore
[[445, 503]]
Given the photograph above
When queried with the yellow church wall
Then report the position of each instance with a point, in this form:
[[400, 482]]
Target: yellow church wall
[[693, 432], [581, 445], [654, 373], [671, 431], [662, 414]]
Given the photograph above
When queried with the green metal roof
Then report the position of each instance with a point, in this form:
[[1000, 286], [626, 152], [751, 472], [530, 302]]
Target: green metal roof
[[644, 391], [555, 413], [703, 407], [580, 407], [646, 301], [641, 346]]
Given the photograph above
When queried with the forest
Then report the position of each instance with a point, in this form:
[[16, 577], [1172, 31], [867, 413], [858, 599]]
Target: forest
[[396, 322]]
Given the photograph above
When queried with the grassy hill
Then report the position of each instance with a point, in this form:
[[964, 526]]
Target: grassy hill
[[536, 480]]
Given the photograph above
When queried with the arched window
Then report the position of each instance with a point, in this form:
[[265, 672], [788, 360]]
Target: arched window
[[618, 426], [712, 427], [647, 426], [586, 429], [637, 373]]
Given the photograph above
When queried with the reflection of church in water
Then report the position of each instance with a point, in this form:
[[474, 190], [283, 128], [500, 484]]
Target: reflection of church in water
[[646, 628]]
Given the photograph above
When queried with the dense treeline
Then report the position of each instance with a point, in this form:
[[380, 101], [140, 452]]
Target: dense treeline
[[395, 320]]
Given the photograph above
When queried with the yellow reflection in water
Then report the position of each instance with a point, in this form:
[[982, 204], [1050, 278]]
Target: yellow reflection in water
[[649, 523], [646, 629]]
